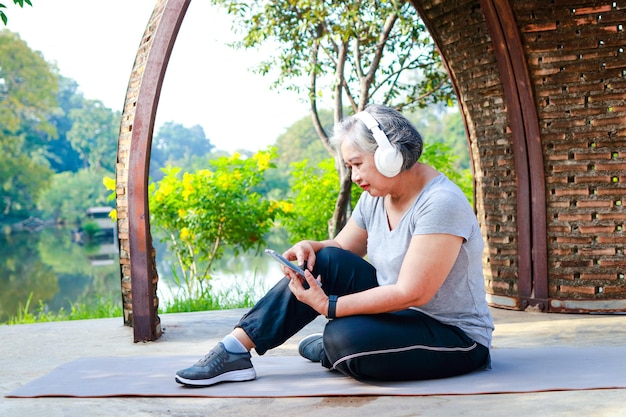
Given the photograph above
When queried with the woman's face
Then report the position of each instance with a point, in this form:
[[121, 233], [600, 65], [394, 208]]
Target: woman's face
[[364, 172]]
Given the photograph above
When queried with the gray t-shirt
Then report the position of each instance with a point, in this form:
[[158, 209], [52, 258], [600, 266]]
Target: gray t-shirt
[[441, 207]]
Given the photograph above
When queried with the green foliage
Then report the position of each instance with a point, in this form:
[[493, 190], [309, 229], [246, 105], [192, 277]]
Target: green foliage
[[28, 86], [59, 152], [71, 194], [205, 211], [378, 50], [27, 95], [3, 15], [438, 124], [357, 52], [445, 144], [299, 142], [440, 157], [90, 229], [21, 180], [94, 134], [177, 145], [314, 194]]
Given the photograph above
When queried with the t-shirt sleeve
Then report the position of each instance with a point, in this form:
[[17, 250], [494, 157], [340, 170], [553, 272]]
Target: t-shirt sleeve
[[358, 214], [445, 211]]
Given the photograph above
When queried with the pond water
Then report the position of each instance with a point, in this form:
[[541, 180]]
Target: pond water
[[49, 265]]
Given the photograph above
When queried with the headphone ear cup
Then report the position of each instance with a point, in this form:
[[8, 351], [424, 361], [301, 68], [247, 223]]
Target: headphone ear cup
[[388, 161]]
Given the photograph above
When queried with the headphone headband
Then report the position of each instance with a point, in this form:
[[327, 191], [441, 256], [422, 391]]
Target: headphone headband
[[372, 124]]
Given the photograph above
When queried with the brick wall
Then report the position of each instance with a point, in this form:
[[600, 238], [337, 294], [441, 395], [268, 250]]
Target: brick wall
[[575, 55]]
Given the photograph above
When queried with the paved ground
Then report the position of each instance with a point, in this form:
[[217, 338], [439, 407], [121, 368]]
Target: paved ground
[[30, 351]]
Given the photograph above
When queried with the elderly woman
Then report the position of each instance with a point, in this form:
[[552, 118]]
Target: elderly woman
[[415, 309]]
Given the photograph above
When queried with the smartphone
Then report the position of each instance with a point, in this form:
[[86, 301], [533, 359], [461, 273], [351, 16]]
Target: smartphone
[[295, 268]]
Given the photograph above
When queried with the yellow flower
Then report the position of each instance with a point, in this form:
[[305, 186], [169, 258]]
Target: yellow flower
[[262, 160], [188, 187], [109, 183], [165, 189], [285, 206], [204, 173]]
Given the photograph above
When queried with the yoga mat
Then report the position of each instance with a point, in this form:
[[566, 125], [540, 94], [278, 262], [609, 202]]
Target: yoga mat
[[513, 371]]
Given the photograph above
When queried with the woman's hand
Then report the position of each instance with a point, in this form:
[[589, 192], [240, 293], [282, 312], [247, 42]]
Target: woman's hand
[[313, 296], [303, 253]]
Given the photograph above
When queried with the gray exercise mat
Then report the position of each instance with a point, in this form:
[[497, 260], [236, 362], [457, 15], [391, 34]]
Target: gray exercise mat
[[513, 371]]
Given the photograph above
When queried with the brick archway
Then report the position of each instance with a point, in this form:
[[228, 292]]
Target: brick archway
[[542, 89]]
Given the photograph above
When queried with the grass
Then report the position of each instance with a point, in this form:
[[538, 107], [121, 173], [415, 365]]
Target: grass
[[109, 307], [232, 297], [96, 309]]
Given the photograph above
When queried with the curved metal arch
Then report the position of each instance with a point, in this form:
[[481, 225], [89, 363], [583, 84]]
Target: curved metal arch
[[528, 154], [168, 16]]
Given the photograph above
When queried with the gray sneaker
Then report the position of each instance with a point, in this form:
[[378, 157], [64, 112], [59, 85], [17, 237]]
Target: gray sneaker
[[312, 347], [218, 365]]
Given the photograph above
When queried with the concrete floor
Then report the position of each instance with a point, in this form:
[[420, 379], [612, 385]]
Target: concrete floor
[[31, 351]]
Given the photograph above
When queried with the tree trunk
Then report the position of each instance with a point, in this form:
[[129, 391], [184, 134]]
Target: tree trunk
[[342, 207]]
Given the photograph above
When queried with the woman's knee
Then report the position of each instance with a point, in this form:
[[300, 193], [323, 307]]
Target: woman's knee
[[343, 272], [328, 256], [341, 337]]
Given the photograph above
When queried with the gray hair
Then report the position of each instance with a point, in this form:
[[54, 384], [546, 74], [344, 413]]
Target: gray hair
[[400, 132]]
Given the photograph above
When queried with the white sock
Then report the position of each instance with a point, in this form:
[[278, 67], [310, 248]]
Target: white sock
[[233, 345]]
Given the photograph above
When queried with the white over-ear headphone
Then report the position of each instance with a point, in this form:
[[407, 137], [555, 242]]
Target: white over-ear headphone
[[387, 158]]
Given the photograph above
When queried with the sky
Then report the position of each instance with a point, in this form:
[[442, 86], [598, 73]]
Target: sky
[[206, 83]]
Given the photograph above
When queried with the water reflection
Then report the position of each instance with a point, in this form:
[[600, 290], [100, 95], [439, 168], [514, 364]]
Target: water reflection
[[60, 272], [48, 265]]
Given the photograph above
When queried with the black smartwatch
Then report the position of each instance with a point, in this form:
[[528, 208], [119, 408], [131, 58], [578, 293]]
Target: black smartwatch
[[332, 307]]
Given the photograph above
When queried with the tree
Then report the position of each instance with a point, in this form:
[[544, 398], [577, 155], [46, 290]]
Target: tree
[[94, 134], [299, 142], [439, 124], [60, 153], [207, 210], [27, 97], [20, 3], [314, 192], [359, 51], [176, 144], [72, 193]]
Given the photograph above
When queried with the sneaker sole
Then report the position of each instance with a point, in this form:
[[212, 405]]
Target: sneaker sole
[[232, 376]]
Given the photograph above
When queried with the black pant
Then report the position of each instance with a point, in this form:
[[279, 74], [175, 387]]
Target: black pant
[[405, 345]]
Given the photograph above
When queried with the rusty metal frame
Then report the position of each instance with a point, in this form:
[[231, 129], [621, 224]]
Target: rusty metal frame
[[528, 154], [143, 273]]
